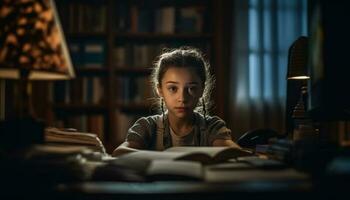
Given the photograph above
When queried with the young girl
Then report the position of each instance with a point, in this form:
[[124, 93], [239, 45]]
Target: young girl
[[182, 81]]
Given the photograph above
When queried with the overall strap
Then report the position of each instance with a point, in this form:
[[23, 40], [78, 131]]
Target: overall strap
[[163, 138], [159, 134], [203, 133]]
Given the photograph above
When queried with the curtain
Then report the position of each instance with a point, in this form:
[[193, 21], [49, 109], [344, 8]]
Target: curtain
[[263, 30]]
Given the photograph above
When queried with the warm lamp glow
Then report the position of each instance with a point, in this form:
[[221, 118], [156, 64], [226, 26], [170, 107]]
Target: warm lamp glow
[[33, 46], [299, 78]]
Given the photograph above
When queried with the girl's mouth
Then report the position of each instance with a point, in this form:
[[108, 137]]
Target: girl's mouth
[[181, 109]]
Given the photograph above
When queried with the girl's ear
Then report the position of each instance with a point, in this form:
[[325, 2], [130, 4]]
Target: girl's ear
[[159, 91], [201, 92]]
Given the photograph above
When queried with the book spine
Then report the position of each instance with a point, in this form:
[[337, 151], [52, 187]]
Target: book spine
[[94, 53], [76, 52]]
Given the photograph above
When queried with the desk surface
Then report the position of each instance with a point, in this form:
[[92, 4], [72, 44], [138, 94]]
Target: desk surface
[[187, 190], [226, 180], [227, 183]]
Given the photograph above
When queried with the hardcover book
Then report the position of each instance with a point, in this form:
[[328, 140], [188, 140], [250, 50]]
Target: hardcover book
[[74, 138], [178, 163]]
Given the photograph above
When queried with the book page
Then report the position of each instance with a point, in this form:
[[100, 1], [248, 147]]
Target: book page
[[210, 151], [154, 155], [168, 155], [140, 160], [217, 154], [204, 155], [229, 153], [174, 170]]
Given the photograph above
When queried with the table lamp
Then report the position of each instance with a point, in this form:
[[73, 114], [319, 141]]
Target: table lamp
[[297, 59], [297, 75], [32, 48]]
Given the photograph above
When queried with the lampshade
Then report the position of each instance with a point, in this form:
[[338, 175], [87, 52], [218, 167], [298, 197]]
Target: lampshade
[[32, 42], [298, 59]]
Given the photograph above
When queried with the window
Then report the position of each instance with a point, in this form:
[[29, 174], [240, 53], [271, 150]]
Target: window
[[263, 32]]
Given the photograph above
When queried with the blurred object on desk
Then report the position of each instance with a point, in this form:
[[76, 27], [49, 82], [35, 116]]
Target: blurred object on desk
[[72, 137], [256, 137]]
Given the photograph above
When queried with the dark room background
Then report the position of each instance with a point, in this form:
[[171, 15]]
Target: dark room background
[[246, 42]]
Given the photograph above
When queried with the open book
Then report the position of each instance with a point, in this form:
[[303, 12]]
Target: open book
[[209, 155], [204, 155], [66, 137], [178, 163]]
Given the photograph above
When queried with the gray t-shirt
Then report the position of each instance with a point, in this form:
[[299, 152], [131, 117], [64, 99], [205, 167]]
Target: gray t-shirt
[[186, 140], [155, 134]]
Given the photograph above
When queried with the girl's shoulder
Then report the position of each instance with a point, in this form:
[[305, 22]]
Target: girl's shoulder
[[151, 119], [213, 127], [208, 120]]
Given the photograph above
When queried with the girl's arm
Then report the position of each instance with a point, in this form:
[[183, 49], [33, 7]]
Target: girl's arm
[[127, 147], [223, 142]]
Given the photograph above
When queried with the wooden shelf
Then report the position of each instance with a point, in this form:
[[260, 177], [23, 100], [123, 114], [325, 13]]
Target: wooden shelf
[[134, 107], [86, 1], [137, 71], [80, 108], [169, 2], [162, 36], [89, 71], [72, 35]]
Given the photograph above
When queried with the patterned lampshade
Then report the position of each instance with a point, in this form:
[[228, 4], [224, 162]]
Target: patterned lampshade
[[32, 42], [298, 59]]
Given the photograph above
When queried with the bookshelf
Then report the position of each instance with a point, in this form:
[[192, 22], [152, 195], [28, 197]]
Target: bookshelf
[[113, 45]]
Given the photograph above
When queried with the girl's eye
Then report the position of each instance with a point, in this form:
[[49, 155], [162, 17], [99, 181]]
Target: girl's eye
[[172, 89], [192, 90]]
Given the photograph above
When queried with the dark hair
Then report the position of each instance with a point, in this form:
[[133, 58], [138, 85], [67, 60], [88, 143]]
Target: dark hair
[[186, 57]]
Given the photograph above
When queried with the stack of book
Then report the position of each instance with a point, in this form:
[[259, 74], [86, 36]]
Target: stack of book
[[71, 137], [281, 149]]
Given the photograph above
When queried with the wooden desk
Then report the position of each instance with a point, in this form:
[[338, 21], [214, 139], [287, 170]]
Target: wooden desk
[[187, 190], [229, 182], [262, 183]]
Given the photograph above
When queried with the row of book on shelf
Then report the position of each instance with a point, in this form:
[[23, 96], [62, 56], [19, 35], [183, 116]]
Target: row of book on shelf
[[91, 90], [83, 17], [93, 123], [87, 53], [133, 89], [143, 55], [162, 19], [135, 55], [92, 53], [84, 90], [92, 17]]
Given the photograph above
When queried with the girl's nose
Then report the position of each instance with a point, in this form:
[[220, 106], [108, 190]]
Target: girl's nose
[[183, 95]]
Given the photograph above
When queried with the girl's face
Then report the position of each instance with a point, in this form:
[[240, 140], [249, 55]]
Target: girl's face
[[181, 89]]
